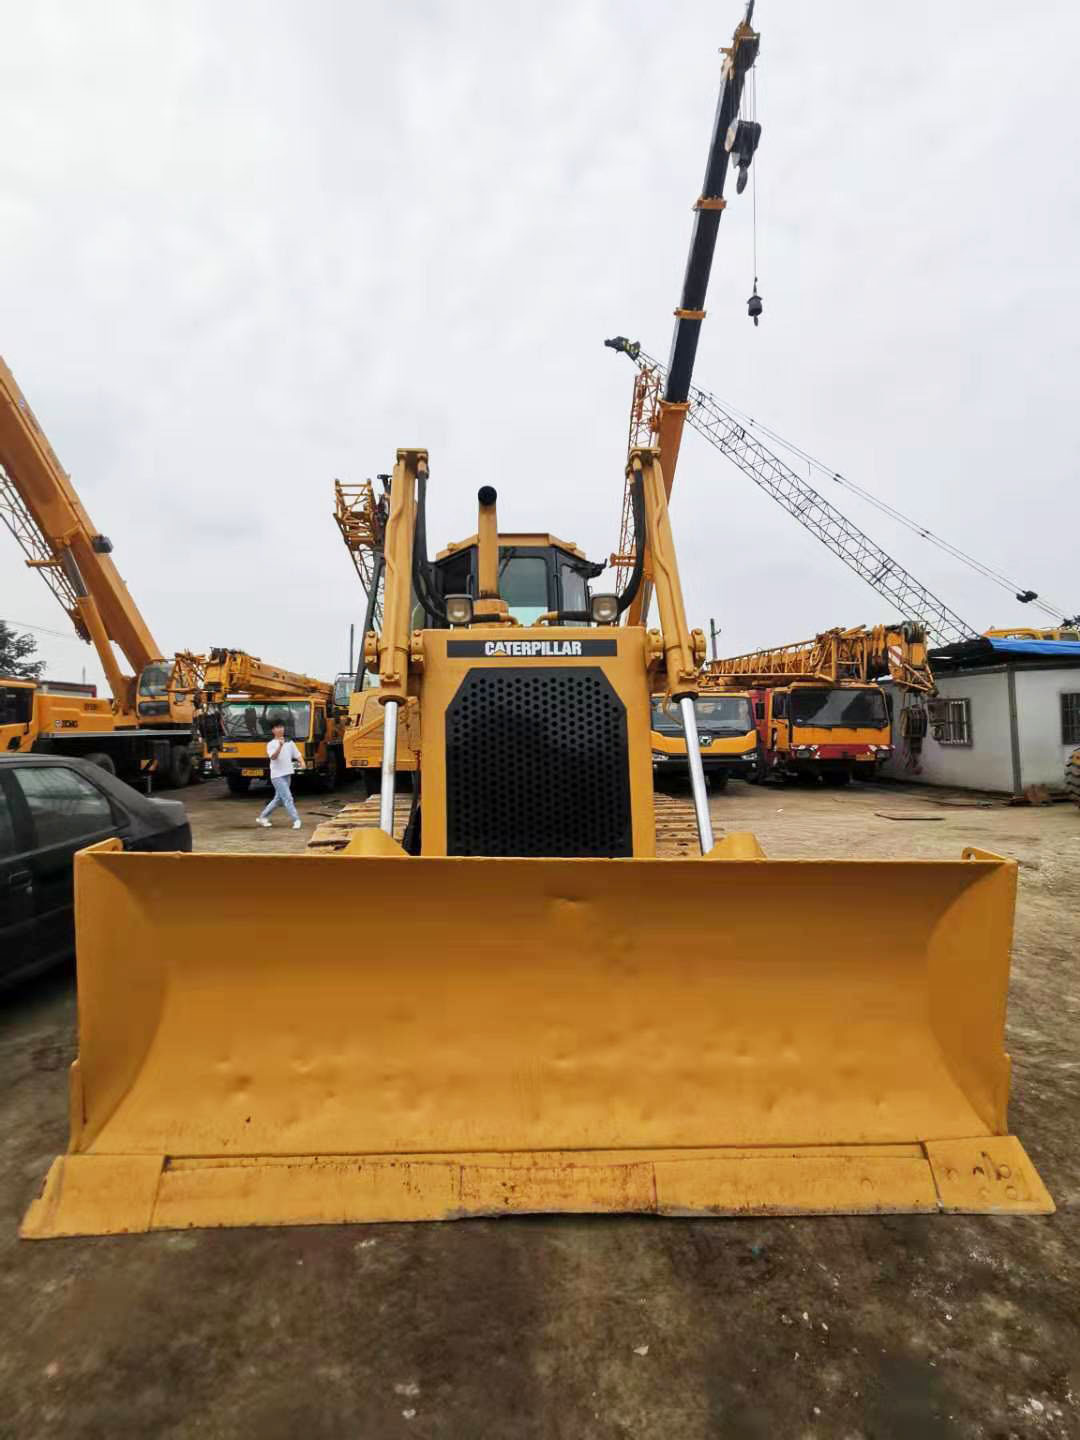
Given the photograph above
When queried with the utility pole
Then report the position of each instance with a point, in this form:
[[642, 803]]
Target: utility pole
[[714, 631], [352, 633]]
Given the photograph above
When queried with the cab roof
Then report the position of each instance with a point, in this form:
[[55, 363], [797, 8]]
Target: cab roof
[[535, 541]]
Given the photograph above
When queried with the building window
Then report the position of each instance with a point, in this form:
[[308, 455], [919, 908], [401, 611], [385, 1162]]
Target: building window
[[952, 722], [1070, 719]]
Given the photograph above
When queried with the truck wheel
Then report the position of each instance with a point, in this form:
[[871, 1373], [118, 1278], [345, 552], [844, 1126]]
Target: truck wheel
[[329, 778], [238, 784], [1072, 777], [180, 766], [103, 761]]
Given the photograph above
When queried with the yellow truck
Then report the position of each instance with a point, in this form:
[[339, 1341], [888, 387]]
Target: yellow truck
[[818, 711], [727, 736], [248, 696]]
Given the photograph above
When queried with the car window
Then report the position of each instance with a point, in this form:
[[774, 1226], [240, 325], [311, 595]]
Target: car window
[[63, 806], [7, 826]]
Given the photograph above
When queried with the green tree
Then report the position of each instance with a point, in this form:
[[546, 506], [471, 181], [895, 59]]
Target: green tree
[[14, 652]]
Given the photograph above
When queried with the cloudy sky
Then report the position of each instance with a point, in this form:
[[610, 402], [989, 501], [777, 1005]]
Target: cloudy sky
[[251, 247]]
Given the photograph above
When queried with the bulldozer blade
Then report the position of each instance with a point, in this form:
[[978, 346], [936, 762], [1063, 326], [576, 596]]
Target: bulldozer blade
[[311, 1039]]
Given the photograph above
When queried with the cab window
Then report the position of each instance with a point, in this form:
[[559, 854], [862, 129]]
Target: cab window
[[575, 594], [255, 719], [523, 585], [63, 806], [16, 705], [154, 680]]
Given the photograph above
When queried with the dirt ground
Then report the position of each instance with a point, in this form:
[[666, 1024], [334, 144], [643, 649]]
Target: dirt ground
[[578, 1328]]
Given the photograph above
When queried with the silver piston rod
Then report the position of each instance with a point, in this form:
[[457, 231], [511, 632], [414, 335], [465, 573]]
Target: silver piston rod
[[389, 765], [697, 774]]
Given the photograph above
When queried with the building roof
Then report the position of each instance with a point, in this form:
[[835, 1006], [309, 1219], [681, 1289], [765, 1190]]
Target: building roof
[[985, 650]]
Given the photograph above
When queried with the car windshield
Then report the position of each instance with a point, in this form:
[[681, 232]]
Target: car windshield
[[255, 719], [716, 715], [154, 680], [839, 709]]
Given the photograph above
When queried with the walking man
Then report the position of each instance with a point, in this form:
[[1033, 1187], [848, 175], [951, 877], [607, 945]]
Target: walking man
[[283, 755]]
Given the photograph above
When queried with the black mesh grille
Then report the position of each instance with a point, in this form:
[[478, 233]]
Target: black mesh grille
[[537, 764]]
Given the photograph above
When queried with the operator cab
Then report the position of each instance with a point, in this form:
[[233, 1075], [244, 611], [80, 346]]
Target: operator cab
[[538, 574]]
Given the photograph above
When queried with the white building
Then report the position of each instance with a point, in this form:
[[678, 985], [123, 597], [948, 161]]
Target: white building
[[1007, 716]]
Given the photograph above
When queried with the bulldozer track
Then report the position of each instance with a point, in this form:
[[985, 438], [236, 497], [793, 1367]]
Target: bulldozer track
[[676, 828], [358, 815]]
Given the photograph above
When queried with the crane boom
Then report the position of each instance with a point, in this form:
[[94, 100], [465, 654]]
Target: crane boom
[[672, 404], [859, 655], [361, 518], [234, 672], [908, 595], [40, 507]]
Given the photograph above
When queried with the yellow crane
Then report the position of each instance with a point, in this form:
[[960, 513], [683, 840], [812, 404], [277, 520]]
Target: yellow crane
[[361, 518], [150, 721], [818, 710], [247, 696]]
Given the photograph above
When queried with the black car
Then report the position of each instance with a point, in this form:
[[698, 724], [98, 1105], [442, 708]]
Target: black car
[[49, 808]]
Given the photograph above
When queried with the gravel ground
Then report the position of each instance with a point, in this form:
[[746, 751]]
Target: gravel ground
[[592, 1327]]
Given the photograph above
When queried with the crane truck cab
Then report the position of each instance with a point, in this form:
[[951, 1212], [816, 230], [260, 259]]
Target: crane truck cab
[[314, 722], [837, 732], [727, 737], [46, 717]]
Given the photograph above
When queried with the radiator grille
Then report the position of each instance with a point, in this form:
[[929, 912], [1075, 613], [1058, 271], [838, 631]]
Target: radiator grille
[[537, 764]]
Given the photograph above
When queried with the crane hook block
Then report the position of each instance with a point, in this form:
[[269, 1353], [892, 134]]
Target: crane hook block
[[754, 306], [627, 347], [741, 141], [1026, 596]]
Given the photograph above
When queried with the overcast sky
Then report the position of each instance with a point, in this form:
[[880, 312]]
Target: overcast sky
[[251, 247]]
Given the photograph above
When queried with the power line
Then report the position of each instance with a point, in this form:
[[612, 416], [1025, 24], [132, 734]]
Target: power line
[[44, 630]]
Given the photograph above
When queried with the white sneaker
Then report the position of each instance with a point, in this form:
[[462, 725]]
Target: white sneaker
[[264, 823], [296, 824]]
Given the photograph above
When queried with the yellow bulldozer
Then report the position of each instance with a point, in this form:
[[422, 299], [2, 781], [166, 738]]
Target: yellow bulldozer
[[524, 1009]]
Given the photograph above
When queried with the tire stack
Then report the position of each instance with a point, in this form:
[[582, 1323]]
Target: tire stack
[[1072, 777]]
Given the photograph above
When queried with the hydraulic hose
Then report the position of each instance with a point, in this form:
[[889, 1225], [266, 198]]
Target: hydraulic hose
[[421, 565], [637, 510]]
